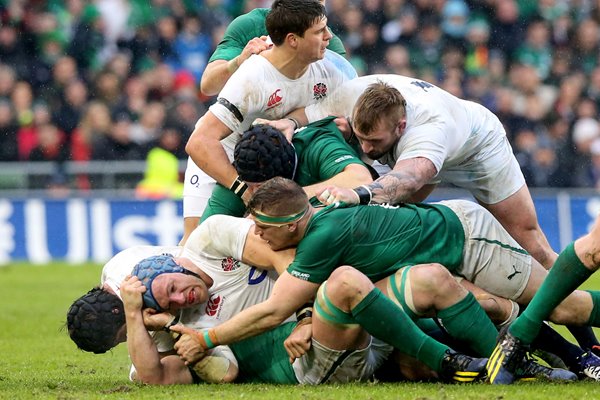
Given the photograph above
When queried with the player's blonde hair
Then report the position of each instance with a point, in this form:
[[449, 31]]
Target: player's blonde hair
[[379, 104]]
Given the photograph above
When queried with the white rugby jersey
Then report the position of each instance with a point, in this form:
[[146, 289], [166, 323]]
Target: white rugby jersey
[[258, 90], [215, 246], [439, 126]]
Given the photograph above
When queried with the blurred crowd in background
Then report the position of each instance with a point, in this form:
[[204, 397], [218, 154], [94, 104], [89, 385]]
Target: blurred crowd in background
[[113, 79]]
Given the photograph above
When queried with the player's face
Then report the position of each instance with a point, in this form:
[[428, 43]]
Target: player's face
[[380, 140], [174, 291], [316, 39], [277, 237]]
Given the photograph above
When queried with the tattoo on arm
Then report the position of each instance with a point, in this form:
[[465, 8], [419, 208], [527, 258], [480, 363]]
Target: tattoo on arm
[[393, 188], [399, 185]]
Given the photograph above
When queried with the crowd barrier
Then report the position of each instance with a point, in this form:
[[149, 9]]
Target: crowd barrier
[[77, 230]]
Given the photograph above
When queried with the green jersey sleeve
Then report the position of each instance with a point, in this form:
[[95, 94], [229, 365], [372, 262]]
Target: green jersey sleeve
[[335, 44], [320, 251], [224, 201], [239, 32], [322, 152]]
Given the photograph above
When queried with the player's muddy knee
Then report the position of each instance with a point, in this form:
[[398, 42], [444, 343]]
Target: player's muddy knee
[[434, 278], [346, 282]]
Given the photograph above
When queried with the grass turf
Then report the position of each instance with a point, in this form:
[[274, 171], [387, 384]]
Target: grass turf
[[39, 361]]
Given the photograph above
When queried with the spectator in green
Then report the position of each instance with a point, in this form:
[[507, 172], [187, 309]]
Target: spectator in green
[[88, 39], [536, 50]]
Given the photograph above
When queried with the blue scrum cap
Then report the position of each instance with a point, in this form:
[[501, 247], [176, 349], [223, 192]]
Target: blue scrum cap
[[149, 268]]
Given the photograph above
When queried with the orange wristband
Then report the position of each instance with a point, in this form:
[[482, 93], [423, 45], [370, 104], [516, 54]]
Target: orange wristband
[[208, 339]]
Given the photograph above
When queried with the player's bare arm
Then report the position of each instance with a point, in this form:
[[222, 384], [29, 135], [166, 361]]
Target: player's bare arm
[[218, 72], [214, 77], [401, 183], [289, 293], [206, 150], [142, 350], [352, 176], [420, 195], [258, 253]]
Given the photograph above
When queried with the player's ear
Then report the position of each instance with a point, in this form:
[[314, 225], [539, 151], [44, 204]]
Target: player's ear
[[292, 40], [292, 227], [401, 126]]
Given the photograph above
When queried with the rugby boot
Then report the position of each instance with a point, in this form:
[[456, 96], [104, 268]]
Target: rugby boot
[[529, 370], [460, 368], [506, 359], [588, 366]]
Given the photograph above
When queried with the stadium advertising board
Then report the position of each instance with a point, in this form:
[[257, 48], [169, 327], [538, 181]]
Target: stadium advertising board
[[81, 230]]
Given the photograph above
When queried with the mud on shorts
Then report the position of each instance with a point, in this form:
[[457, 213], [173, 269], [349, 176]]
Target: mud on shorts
[[492, 259], [324, 365]]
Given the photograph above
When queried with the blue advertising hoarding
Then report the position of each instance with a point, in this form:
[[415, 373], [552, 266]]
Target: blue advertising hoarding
[[79, 230]]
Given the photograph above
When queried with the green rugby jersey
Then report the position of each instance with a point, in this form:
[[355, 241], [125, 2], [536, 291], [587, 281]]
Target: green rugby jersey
[[263, 359], [378, 240], [322, 152]]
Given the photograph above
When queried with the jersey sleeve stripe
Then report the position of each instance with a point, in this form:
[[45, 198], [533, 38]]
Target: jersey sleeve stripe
[[234, 110]]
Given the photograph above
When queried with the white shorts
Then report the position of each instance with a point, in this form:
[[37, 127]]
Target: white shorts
[[493, 174], [492, 259], [197, 188], [324, 365]]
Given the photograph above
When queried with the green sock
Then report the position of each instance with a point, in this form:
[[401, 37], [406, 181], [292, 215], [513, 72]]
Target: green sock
[[427, 325], [468, 322], [382, 318], [567, 273], [595, 315]]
